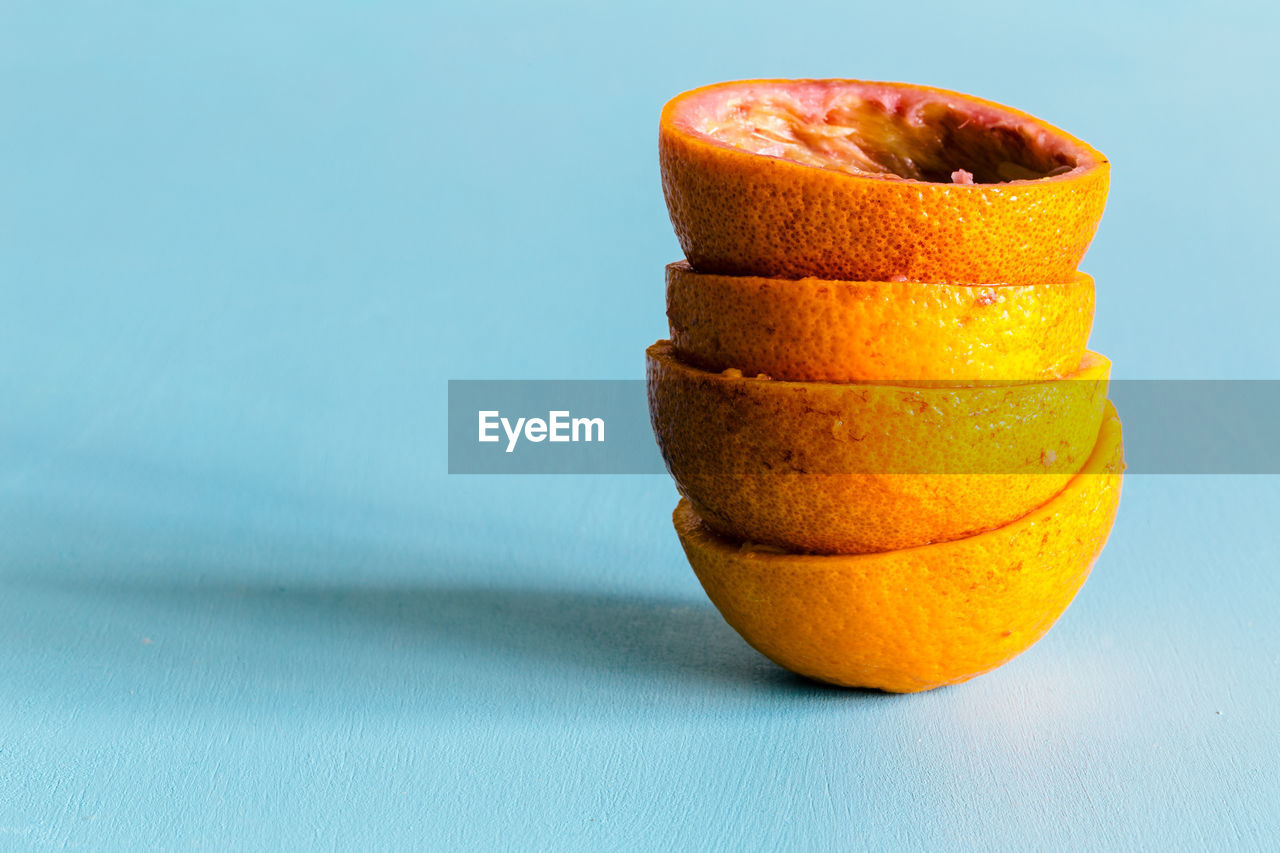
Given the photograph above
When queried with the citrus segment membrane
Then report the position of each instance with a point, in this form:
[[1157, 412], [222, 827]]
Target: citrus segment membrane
[[876, 129]]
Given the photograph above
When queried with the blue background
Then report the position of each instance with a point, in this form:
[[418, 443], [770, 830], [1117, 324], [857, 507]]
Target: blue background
[[242, 605]]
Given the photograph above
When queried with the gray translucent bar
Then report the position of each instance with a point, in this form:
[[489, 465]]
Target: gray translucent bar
[[602, 427]]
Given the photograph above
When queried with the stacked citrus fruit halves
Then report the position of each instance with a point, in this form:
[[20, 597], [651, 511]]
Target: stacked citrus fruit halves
[[896, 455]]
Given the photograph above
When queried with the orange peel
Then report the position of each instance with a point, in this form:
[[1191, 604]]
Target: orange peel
[[851, 468], [846, 331], [867, 181], [915, 619]]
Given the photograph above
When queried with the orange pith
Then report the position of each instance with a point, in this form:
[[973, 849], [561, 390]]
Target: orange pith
[[846, 179], [845, 331], [914, 619], [852, 468]]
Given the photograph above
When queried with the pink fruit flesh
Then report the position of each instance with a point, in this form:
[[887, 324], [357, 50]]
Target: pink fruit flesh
[[881, 129]]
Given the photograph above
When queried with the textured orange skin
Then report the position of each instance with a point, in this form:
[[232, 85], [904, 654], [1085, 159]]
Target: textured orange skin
[[911, 620], [853, 468], [742, 213], [845, 331]]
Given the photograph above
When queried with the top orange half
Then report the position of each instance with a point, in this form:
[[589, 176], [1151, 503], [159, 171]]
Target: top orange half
[[862, 181]]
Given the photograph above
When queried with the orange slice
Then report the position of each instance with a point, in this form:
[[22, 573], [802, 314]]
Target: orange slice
[[852, 468], [846, 179], [844, 331], [911, 620]]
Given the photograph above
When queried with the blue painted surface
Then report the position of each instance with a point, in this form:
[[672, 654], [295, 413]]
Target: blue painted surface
[[243, 606]]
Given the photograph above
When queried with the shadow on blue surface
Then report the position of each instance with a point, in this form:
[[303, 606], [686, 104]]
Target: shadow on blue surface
[[448, 648]]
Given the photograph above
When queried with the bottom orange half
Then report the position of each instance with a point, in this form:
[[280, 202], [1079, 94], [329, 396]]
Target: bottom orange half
[[918, 618]]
